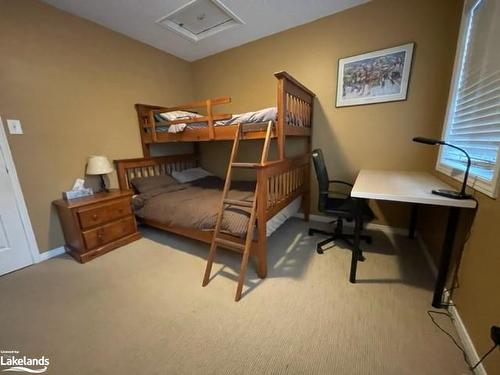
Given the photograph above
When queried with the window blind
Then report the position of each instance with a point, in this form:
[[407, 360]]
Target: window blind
[[474, 121]]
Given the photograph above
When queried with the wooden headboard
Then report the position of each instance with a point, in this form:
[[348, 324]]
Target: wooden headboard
[[127, 169]]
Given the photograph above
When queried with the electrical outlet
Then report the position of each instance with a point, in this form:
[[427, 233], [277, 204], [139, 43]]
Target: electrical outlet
[[14, 126], [495, 334]]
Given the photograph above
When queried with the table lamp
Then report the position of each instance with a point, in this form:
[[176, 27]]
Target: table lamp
[[444, 192], [99, 165]]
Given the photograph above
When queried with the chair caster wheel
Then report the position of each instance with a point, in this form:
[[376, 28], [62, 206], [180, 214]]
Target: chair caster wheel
[[310, 233], [319, 250], [361, 258]]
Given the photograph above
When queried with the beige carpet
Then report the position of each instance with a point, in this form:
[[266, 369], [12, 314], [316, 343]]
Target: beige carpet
[[141, 310]]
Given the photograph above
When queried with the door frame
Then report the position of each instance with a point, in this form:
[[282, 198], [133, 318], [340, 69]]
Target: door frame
[[18, 193]]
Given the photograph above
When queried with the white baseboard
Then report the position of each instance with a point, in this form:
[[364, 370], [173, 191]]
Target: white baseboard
[[51, 254], [467, 343]]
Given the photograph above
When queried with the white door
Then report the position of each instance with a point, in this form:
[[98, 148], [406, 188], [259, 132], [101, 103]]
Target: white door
[[14, 246]]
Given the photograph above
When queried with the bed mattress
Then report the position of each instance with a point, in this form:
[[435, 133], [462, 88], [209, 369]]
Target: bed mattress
[[195, 205]]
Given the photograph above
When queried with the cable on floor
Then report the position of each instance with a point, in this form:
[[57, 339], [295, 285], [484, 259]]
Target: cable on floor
[[430, 312], [471, 367]]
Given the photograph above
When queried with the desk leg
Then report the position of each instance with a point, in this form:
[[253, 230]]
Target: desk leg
[[444, 262], [413, 221], [357, 237]]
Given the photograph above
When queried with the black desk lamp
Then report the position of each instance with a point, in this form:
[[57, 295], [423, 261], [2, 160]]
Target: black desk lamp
[[444, 192]]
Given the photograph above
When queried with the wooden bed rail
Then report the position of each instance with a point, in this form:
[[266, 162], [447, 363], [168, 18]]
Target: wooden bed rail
[[147, 114], [127, 169], [284, 180], [295, 117], [295, 108]]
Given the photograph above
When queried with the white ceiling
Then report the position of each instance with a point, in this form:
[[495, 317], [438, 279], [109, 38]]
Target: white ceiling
[[261, 18]]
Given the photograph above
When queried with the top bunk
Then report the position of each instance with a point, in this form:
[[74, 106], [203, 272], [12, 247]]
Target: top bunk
[[198, 121]]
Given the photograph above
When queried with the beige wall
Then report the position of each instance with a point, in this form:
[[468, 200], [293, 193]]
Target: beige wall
[[73, 84], [370, 136]]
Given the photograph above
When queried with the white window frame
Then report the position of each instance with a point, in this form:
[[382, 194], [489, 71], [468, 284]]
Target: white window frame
[[490, 188]]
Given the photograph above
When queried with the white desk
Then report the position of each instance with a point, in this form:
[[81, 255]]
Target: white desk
[[410, 187], [415, 188]]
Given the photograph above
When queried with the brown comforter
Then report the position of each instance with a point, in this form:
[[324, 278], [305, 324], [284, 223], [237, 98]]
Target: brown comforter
[[195, 205]]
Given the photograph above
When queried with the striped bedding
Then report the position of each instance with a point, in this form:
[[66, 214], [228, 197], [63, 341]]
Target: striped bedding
[[195, 205]]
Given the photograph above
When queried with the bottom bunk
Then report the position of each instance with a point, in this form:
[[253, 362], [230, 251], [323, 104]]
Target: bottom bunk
[[173, 195]]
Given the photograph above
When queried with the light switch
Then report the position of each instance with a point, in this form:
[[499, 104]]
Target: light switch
[[14, 127]]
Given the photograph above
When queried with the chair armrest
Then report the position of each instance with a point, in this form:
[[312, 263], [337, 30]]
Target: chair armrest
[[340, 182], [329, 192]]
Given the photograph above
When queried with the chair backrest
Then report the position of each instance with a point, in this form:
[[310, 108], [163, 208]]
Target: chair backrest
[[321, 176]]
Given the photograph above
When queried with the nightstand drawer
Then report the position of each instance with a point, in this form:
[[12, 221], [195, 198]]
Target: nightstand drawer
[[109, 232], [103, 214]]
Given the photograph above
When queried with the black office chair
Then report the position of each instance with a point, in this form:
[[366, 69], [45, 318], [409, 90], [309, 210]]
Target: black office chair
[[341, 208]]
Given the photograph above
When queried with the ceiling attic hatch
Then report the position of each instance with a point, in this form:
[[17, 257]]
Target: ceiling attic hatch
[[200, 19]]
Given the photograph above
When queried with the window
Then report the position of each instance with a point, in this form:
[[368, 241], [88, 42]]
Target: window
[[473, 115]]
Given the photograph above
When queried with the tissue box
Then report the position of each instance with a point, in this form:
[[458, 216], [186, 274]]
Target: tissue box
[[80, 193]]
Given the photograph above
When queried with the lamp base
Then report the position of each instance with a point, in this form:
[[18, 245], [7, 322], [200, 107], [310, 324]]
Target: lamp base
[[451, 194], [104, 189]]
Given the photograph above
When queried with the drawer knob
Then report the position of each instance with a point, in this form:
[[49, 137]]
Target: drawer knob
[[94, 216]]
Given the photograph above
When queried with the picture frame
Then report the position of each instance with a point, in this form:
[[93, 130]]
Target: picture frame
[[374, 77]]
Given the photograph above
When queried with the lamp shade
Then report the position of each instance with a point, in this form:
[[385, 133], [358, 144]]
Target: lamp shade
[[99, 165]]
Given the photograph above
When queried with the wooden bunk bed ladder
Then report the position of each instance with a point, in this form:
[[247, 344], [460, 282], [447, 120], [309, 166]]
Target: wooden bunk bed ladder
[[217, 240]]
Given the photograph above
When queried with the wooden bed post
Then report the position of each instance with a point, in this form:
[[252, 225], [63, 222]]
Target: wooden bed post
[[211, 130], [142, 116], [295, 104], [306, 197], [261, 223], [281, 107]]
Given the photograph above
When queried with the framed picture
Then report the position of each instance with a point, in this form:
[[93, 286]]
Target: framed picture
[[374, 77]]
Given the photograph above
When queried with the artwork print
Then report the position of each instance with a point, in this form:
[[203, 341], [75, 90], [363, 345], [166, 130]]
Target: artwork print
[[374, 77]]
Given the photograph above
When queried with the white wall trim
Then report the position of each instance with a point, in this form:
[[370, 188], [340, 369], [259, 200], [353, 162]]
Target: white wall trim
[[21, 204], [51, 253], [467, 343]]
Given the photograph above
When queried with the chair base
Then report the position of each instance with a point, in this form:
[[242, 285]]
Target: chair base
[[338, 236]]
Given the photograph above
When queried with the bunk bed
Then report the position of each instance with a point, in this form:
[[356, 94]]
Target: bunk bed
[[287, 179]]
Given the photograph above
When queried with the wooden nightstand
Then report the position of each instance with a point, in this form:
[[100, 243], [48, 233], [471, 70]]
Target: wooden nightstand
[[95, 225]]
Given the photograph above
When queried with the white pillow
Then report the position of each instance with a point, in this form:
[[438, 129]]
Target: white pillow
[[189, 175], [179, 115]]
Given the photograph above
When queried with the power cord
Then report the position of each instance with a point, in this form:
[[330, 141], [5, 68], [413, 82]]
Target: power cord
[[430, 312], [471, 367], [456, 285], [484, 357]]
